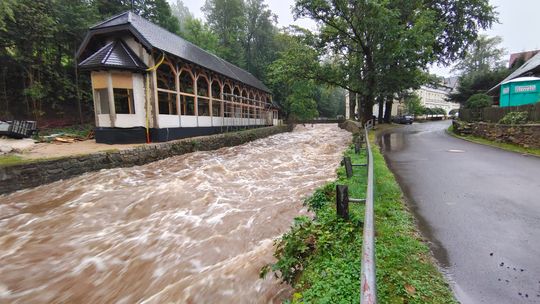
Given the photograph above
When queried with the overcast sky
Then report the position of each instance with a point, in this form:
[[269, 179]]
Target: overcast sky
[[518, 23]]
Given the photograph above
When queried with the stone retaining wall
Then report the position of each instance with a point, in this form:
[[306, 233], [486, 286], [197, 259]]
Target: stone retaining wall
[[22, 176], [352, 126], [527, 136]]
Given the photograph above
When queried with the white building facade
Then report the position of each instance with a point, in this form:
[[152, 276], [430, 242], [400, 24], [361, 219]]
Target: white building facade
[[436, 97]]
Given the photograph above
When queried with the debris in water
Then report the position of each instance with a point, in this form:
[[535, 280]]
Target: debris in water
[[491, 254], [502, 264]]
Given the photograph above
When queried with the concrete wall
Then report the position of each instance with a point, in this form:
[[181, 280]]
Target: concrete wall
[[527, 136], [22, 176]]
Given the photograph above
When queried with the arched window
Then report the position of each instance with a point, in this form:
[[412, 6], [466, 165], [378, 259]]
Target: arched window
[[245, 104], [187, 98], [255, 110], [216, 98], [238, 105], [229, 107], [166, 89], [203, 96]]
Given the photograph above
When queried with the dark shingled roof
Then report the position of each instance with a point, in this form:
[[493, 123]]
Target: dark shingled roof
[[115, 54], [166, 41]]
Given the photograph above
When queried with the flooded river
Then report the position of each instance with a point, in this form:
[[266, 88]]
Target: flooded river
[[194, 228]]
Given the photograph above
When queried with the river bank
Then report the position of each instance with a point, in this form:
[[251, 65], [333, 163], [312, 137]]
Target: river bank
[[25, 173], [320, 256]]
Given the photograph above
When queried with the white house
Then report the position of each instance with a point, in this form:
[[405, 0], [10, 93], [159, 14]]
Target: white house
[[151, 85], [435, 97]]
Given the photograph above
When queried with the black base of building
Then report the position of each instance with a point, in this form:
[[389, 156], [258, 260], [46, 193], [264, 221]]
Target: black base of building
[[138, 134]]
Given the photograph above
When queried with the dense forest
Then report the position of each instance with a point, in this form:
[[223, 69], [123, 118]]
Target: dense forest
[[39, 79], [377, 50]]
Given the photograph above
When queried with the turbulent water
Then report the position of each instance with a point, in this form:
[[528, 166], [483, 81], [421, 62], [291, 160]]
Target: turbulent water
[[194, 228]]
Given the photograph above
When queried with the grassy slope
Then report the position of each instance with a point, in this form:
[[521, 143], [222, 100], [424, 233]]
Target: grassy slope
[[325, 251], [500, 145]]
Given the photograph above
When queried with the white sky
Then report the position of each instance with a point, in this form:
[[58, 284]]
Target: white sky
[[518, 23], [282, 8]]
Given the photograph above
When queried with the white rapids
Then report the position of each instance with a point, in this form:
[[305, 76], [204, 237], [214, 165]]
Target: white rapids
[[195, 228]]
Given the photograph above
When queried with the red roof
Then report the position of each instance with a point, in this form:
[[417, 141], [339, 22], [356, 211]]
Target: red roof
[[525, 55]]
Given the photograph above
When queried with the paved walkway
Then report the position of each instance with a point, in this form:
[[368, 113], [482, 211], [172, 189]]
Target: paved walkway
[[478, 206]]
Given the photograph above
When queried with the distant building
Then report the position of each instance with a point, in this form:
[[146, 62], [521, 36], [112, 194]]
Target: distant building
[[522, 86], [149, 84], [430, 97], [451, 83], [396, 107], [436, 97], [522, 57]]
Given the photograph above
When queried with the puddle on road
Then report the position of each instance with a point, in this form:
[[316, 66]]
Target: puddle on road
[[395, 141], [392, 142]]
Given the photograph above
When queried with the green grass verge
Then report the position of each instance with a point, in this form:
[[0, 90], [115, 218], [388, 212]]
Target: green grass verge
[[320, 256], [500, 145], [12, 160]]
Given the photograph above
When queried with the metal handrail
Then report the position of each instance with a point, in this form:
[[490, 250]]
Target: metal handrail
[[368, 288]]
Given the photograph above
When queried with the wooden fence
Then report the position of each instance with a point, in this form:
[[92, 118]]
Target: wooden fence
[[495, 114]]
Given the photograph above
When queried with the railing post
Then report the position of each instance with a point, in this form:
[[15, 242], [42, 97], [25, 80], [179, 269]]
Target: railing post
[[348, 166], [342, 201]]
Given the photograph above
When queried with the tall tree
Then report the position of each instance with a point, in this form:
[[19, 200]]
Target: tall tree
[[259, 37], [6, 12], [478, 82], [157, 11], [227, 19], [369, 34], [27, 41], [198, 33], [483, 55], [182, 13]]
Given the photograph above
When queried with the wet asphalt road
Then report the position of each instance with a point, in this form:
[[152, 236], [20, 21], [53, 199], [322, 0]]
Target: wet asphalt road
[[478, 206]]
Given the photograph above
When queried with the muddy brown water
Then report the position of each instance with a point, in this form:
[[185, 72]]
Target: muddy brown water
[[195, 228]]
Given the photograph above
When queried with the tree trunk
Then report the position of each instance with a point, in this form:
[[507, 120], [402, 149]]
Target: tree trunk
[[352, 105], [4, 89], [369, 97], [380, 115], [78, 93], [366, 108], [388, 109]]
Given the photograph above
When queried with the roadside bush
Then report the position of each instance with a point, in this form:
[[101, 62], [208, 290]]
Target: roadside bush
[[478, 101], [320, 256], [321, 197], [514, 118]]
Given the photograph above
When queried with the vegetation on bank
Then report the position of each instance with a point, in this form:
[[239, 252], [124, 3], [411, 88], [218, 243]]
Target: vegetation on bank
[[320, 256], [500, 145], [9, 160]]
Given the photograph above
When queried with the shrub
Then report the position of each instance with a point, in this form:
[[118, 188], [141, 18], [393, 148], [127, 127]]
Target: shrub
[[479, 101], [514, 118]]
